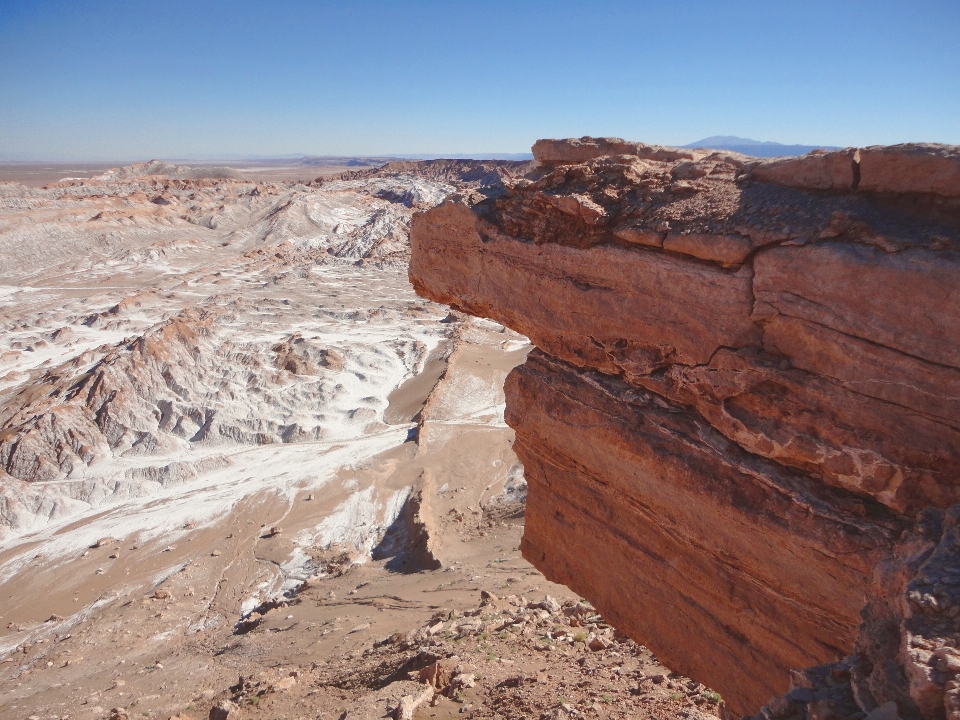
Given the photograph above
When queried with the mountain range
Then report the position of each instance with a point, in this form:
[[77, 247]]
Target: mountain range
[[755, 148]]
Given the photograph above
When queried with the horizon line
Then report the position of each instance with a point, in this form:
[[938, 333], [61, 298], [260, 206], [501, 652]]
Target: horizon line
[[239, 157]]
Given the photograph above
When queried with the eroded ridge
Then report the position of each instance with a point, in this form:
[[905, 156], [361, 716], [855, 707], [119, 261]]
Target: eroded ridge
[[747, 388]]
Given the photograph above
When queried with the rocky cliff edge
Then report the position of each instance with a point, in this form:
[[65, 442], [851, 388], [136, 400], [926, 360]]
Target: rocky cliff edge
[[741, 425]]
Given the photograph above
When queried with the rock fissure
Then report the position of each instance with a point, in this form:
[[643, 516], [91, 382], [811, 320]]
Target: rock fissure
[[855, 171]]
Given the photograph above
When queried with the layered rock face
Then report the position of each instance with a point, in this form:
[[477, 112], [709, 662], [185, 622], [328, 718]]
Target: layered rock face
[[746, 386]]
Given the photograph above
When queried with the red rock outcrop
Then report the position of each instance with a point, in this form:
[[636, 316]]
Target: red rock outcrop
[[747, 383]]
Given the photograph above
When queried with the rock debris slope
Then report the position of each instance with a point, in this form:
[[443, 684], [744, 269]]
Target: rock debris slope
[[744, 391]]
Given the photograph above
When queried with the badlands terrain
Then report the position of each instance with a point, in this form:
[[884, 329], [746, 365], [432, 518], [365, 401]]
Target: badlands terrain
[[246, 472]]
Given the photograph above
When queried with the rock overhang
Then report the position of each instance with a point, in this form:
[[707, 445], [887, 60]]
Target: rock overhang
[[800, 313]]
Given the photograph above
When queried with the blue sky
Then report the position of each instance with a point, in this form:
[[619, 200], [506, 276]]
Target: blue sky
[[131, 80]]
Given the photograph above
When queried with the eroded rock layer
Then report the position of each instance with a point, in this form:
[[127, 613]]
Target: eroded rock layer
[[694, 543], [748, 384]]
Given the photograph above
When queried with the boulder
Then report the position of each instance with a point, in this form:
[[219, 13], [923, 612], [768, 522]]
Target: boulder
[[578, 150], [225, 710], [911, 168], [817, 171]]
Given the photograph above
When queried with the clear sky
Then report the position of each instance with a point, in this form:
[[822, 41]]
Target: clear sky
[[127, 79]]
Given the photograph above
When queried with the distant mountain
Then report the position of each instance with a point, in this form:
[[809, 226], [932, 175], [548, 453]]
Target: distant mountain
[[755, 148]]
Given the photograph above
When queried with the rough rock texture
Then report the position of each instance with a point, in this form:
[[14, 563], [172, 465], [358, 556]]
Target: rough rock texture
[[907, 661], [817, 171], [747, 387], [692, 543], [574, 150], [911, 168]]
